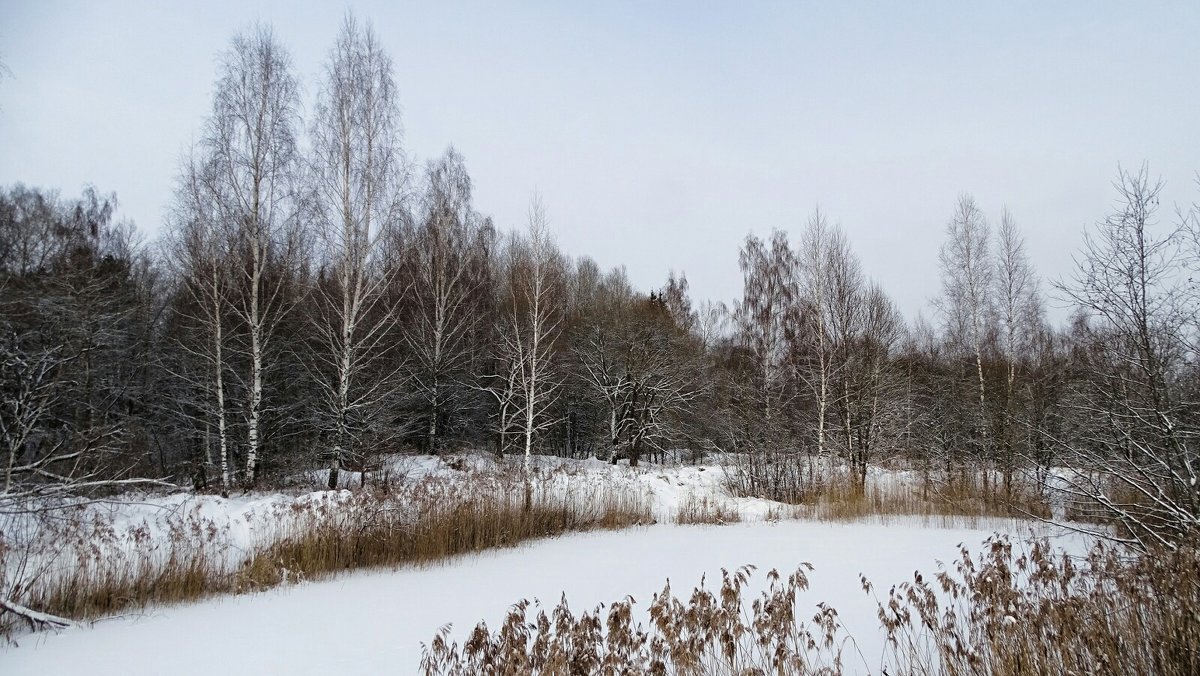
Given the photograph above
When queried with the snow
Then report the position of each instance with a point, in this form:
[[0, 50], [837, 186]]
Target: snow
[[374, 622]]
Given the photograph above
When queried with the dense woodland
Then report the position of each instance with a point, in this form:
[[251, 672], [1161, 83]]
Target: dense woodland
[[317, 299]]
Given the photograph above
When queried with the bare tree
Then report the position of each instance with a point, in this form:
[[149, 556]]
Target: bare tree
[[849, 330], [645, 368], [662, 385], [1020, 313], [966, 301], [868, 382], [764, 319], [601, 368], [1043, 417], [767, 308], [600, 349], [502, 384], [27, 239], [197, 248], [445, 264], [534, 323], [1135, 431], [40, 459], [674, 297], [922, 432], [250, 139], [358, 175], [817, 369], [712, 323], [503, 381]]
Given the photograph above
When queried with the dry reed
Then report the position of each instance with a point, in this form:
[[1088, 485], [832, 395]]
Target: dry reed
[[830, 493], [705, 509], [1040, 612], [709, 633], [79, 565], [944, 502], [1043, 612]]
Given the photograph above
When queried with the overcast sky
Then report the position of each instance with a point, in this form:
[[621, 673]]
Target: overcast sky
[[660, 134]]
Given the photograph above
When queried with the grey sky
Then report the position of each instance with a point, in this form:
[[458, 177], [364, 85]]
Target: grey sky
[[660, 134]]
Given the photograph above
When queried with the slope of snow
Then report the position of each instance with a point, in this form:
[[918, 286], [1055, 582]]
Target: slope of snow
[[665, 486], [374, 622]]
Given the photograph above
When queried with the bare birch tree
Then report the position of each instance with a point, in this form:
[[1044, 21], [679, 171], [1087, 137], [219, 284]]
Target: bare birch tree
[[818, 371], [197, 248], [444, 270], [535, 322], [767, 307], [851, 330], [1020, 313], [765, 319], [358, 177], [966, 301], [712, 323], [250, 139]]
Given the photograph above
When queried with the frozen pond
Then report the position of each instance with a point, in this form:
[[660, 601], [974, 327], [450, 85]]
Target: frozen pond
[[374, 622]]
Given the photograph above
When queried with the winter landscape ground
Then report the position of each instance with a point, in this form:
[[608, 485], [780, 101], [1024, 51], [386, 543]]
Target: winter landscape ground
[[376, 621]]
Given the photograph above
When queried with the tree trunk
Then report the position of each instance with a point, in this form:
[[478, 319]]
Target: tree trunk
[[219, 386], [256, 361]]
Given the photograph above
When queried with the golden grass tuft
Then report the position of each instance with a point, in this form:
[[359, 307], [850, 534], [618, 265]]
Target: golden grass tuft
[[706, 510]]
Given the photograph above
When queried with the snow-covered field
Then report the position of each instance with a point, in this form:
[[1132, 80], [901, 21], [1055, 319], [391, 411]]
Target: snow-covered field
[[375, 621]]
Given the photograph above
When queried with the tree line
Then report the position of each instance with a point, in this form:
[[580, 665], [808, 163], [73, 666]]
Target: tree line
[[316, 299]]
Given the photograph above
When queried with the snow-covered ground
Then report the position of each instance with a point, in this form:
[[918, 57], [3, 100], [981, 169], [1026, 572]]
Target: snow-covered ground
[[374, 622]]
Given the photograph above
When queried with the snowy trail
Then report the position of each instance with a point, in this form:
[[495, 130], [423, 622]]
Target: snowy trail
[[374, 622]]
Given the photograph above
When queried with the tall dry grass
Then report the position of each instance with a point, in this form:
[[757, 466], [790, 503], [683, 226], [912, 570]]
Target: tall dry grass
[[375, 531], [80, 565], [706, 509], [711, 632], [1043, 612], [831, 493], [1003, 612], [939, 501]]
